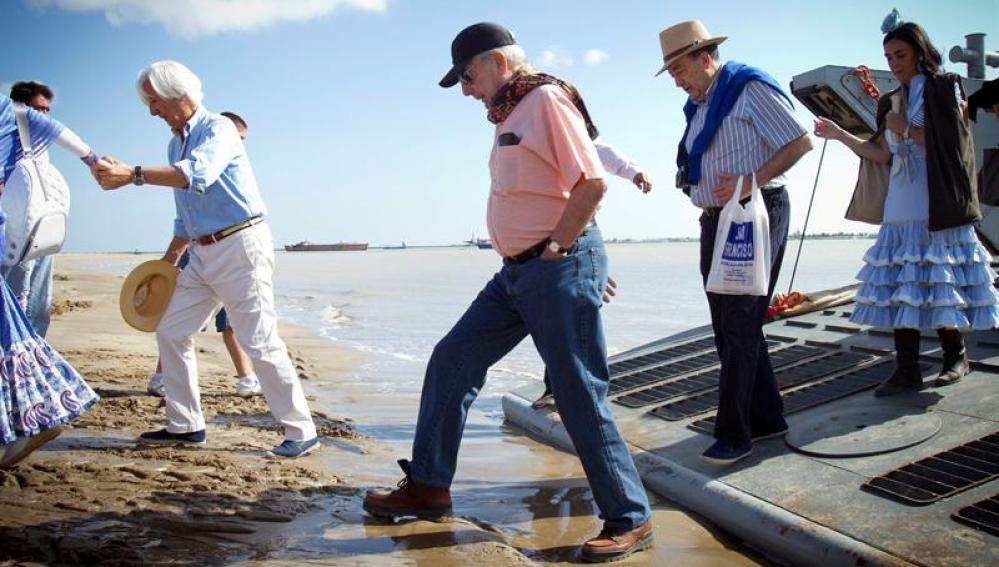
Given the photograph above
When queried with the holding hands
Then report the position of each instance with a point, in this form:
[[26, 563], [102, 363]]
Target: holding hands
[[111, 174]]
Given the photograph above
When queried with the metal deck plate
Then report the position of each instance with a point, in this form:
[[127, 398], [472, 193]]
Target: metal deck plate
[[823, 391], [982, 515], [861, 432], [944, 474], [664, 389], [661, 373], [799, 366], [660, 356]]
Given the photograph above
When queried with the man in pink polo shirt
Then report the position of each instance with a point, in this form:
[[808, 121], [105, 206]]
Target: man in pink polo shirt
[[547, 183]]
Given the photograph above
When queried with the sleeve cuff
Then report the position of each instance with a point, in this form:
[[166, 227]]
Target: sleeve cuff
[[630, 171], [193, 184]]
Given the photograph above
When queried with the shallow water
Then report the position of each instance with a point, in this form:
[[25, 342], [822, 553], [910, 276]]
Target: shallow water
[[393, 305]]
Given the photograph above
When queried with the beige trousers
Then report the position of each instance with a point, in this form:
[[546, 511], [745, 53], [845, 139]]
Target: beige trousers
[[235, 272]]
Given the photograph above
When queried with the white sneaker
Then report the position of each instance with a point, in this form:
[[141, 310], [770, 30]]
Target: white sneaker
[[156, 386], [248, 386]]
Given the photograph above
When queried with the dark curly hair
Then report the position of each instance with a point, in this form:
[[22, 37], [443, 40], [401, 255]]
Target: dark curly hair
[[24, 91], [913, 34]]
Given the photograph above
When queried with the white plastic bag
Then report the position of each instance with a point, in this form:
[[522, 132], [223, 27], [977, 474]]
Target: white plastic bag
[[740, 264]]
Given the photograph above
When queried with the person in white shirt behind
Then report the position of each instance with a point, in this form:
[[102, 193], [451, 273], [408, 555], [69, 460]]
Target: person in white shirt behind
[[616, 163]]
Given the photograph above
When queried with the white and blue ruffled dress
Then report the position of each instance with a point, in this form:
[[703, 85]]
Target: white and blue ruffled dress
[[914, 278], [39, 390]]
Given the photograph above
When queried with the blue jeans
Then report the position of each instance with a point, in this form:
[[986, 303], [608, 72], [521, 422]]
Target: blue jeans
[[557, 303], [31, 284], [748, 398]]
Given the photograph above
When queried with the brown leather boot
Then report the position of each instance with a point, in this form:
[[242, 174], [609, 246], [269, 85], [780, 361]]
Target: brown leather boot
[[955, 357], [612, 545], [409, 499], [907, 375]]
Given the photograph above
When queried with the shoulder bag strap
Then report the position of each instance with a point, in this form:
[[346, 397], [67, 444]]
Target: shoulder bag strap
[[21, 115]]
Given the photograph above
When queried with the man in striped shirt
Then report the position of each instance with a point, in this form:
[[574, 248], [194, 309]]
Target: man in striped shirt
[[739, 122]]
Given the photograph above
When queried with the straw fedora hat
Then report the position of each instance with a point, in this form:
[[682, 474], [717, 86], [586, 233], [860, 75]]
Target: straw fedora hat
[[146, 294], [679, 40]]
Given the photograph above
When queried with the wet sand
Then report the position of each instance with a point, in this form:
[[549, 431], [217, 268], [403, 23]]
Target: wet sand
[[93, 496]]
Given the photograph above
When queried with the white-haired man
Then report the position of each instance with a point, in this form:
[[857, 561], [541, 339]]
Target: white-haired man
[[547, 182], [220, 220]]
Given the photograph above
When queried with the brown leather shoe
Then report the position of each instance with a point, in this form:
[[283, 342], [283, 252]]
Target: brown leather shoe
[[612, 545], [409, 499]]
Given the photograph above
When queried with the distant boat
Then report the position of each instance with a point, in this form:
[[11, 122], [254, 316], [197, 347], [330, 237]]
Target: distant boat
[[306, 246], [401, 246], [481, 243]]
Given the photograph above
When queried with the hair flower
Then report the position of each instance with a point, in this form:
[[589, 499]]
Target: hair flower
[[891, 21]]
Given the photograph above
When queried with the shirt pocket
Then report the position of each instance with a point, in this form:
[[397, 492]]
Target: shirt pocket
[[507, 167]]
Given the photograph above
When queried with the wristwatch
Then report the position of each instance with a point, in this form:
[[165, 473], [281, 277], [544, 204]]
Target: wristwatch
[[554, 247], [137, 177]]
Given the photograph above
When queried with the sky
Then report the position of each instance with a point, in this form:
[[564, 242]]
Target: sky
[[351, 138]]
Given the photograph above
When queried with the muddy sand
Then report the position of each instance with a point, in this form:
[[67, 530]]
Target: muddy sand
[[94, 497]]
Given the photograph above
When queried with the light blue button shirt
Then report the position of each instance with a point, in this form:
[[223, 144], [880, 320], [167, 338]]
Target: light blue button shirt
[[222, 190]]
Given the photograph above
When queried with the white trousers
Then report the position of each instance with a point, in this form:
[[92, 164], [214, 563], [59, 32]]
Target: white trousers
[[235, 272]]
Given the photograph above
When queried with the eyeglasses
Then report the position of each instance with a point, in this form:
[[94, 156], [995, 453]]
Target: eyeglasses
[[465, 78]]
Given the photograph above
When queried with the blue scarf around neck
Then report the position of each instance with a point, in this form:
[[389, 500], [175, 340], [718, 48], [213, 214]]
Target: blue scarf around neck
[[731, 79]]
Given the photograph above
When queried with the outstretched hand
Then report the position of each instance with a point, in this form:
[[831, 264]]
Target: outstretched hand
[[111, 173], [643, 182], [827, 129]]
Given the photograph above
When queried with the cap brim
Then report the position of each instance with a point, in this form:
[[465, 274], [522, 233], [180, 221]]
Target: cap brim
[[451, 78]]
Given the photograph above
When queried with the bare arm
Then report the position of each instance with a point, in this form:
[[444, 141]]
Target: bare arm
[[876, 152], [784, 159], [583, 202], [118, 173], [781, 161], [175, 249]]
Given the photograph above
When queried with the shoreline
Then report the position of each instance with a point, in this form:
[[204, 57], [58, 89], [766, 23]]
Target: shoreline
[[93, 495]]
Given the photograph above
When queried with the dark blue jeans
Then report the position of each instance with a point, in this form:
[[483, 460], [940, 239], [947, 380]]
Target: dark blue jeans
[[748, 398], [557, 303]]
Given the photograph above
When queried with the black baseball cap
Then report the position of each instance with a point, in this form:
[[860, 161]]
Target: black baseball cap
[[471, 41]]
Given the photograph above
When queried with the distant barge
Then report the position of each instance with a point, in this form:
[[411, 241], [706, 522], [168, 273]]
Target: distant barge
[[306, 246]]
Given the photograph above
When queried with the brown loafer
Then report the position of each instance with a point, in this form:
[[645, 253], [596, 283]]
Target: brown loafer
[[409, 499], [612, 545]]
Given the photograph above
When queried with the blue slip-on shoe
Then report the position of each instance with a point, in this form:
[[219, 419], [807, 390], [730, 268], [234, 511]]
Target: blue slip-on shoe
[[294, 449], [166, 438], [725, 453]]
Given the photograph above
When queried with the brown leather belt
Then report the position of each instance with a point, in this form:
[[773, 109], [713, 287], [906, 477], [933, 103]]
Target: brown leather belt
[[228, 231]]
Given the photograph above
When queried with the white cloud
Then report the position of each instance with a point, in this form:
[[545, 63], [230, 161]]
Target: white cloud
[[554, 57], [594, 57], [195, 18]]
